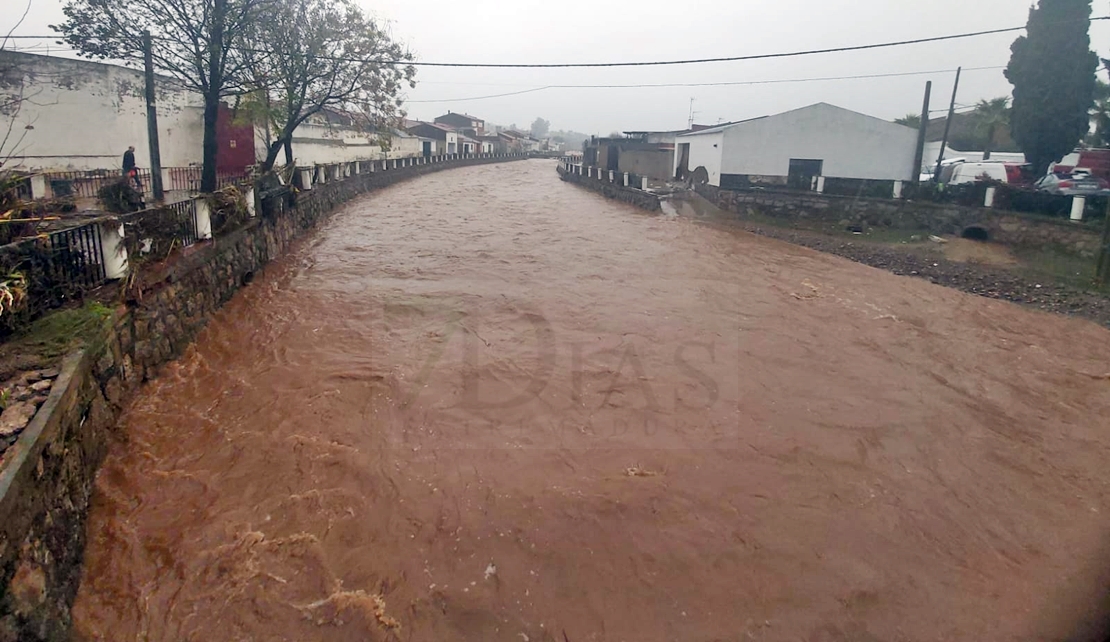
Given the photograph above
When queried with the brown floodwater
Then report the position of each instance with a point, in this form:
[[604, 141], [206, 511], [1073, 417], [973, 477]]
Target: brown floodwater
[[488, 405]]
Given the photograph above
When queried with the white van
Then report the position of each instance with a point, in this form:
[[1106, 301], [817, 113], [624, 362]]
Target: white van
[[964, 173]]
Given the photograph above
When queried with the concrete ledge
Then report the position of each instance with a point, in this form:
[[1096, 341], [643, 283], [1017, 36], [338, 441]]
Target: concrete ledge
[[616, 191], [835, 213]]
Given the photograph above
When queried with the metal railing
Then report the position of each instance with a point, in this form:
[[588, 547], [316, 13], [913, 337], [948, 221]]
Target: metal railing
[[57, 267], [160, 229], [78, 256], [187, 179], [87, 184]]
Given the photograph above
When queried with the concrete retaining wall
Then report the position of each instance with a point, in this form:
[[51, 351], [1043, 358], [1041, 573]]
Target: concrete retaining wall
[[835, 213], [615, 190], [46, 478]]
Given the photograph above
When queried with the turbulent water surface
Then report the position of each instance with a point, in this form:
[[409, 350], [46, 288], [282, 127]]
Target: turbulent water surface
[[488, 405]]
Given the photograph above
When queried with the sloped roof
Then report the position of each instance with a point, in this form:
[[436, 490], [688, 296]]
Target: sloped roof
[[821, 105]]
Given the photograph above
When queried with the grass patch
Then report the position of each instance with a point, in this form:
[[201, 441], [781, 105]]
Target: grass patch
[[1062, 266], [51, 337]]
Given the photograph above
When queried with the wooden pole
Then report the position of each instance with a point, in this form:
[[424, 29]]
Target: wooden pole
[[152, 121], [919, 154], [948, 125], [1102, 271]]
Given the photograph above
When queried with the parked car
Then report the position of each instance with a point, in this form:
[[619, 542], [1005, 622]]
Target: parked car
[[1093, 161], [1011, 173], [1076, 183]]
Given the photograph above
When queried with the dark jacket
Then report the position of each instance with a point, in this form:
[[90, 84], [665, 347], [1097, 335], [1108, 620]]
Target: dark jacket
[[128, 161]]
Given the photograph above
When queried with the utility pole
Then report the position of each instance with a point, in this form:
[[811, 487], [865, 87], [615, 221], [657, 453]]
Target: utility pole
[[690, 123], [948, 124], [1102, 271], [152, 121], [919, 153]]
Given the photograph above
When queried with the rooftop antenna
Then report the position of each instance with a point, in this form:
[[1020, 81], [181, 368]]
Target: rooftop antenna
[[690, 124]]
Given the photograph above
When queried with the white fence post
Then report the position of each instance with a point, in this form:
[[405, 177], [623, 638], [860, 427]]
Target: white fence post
[[204, 218], [643, 183], [112, 250], [612, 176], [250, 198], [40, 188], [820, 184], [898, 188], [306, 178], [988, 198], [1078, 204], [626, 179]]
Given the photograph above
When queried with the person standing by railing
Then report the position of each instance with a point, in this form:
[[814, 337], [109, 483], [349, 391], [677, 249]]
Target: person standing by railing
[[129, 169]]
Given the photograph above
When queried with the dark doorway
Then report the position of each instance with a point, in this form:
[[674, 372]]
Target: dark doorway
[[427, 148], [802, 173], [612, 159], [683, 161]]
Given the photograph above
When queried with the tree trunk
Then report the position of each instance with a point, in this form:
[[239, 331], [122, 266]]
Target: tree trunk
[[211, 145], [286, 143], [990, 143], [212, 96], [271, 155]]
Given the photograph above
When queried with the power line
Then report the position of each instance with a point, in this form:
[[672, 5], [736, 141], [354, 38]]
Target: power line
[[657, 63], [704, 84]]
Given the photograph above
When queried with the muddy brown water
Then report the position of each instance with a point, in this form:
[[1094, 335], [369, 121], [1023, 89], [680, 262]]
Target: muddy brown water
[[488, 405]]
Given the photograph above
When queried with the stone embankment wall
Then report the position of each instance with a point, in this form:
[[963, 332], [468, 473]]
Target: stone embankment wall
[[46, 478], [835, 213], [615, 190]]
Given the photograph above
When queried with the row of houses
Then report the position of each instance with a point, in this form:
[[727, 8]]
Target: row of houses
[[80, 115], [799, 148], [454, 133]]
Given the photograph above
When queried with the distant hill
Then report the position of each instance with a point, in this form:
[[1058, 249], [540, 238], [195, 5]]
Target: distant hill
[[967, 136]]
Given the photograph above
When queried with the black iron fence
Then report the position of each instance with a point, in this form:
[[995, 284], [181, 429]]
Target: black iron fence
[[47, 272], [87, 184], [187, 179], [153, 234]]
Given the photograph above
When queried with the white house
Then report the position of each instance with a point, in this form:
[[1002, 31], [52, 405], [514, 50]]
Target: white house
[[82, 115], [795, 147]]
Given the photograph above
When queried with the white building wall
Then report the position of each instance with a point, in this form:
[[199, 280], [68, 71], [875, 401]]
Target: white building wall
[[321, 144], [82, 115], [852, 145], [705, 151]]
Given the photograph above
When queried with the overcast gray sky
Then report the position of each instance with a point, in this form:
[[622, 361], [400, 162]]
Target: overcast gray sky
[[533, 31]]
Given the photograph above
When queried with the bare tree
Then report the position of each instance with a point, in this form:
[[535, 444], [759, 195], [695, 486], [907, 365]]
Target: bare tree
[[14, 95], [198, 42], [324, 54]]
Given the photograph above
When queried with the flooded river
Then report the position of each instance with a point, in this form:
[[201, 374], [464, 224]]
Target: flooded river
[[488, 405]]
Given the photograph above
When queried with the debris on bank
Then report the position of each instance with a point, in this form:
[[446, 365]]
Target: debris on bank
[[20, 399]]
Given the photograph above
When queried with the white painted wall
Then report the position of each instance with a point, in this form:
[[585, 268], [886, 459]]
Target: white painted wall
[[82, 115], [852, 145], [705, 151], [317, 143]]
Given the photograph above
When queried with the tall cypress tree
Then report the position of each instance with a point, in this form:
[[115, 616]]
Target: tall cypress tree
[[1052, 69]]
